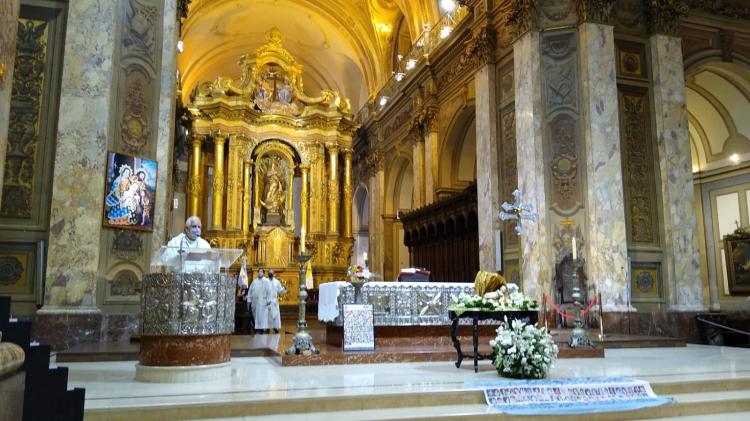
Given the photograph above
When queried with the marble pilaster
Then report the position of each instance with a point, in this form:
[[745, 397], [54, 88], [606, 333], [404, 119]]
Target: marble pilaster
[[536, 265], [682, 270], [488, 177], [377, 200], [418, 173], [430, 163], [9, 10], [78, 186], [606, 245], [165, 134]]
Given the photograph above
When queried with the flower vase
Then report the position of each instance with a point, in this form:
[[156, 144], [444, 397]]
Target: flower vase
[[358, 284]]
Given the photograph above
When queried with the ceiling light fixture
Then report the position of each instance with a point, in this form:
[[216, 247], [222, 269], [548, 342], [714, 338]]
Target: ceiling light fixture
[[734, 158], [447, 5], [180, 46], [445, 31], [383, 101], [411, 63]]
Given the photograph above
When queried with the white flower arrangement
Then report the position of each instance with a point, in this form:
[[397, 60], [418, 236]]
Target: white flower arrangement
[[509, 297], [523, 351]]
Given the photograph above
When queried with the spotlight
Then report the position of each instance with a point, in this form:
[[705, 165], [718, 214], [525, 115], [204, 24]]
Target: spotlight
[[180, 46], [398, 76], [734, 158], [383, 101], [445, 31], [411, 63]]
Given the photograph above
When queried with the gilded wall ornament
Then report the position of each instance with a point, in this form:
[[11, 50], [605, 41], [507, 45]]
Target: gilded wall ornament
[[125, 284], [665, 16], [127, 245], [599, 11], [11, 269], [519, 16]]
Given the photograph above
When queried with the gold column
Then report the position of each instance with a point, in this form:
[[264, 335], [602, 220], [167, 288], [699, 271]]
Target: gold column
[[234, 185], [347, 229], [245, 223], [218, 185], [333, 189], [304, 200], [194, 183]]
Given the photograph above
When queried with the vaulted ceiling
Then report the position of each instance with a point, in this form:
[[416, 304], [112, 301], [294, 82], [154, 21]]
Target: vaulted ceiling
[[344, 45], [718, 104]]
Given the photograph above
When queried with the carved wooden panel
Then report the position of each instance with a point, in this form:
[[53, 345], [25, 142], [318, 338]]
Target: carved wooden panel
[[638, 165], [25, 131]]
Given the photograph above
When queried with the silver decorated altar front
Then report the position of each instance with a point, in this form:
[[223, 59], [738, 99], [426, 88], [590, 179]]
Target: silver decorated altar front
[[406, 303], [187, 304]]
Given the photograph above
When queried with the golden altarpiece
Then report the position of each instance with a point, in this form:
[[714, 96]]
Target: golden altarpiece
[[270, 168]]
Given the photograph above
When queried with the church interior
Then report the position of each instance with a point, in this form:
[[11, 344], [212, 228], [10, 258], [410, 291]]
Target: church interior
[[594, 152]]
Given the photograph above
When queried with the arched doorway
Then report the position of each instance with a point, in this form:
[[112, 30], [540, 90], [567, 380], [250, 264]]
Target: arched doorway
[[718, 105], [398, 199], [458, 156]]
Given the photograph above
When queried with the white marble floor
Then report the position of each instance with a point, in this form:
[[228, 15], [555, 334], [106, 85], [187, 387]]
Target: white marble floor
[[112, 384]]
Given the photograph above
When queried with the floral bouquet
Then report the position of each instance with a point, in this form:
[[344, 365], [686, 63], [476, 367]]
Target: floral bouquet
[[358, 273], [471, 302], [509, 297], [523, 351]]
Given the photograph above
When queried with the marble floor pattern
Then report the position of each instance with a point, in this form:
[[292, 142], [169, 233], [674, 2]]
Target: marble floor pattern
[[112, 384]]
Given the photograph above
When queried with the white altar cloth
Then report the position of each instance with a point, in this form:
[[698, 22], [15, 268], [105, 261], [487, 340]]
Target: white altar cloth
[[394, 303]]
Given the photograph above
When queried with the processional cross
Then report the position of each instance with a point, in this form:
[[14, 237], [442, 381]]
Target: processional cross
[[518, 212]]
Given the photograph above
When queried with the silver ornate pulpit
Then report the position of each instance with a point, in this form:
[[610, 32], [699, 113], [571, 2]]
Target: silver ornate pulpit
[[187, 315]]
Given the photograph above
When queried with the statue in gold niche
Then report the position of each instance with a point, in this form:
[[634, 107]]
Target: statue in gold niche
[[274, 196]]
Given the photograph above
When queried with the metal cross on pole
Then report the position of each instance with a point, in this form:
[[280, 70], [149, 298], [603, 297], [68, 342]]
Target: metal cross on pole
[[518, 212]]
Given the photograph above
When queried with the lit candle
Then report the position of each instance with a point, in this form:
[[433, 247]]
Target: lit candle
[[302, 241], [364, 257], [575, 254]]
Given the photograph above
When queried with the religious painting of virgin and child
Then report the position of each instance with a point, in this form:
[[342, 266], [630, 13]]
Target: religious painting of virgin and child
[[129, 192]]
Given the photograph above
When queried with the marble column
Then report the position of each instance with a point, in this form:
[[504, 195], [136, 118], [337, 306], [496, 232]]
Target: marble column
[[217, 213], [606, 245], [377, 200], [488, 177], [347, 219], [166, 124], [418, 172], [333, 189], [536, 265], [195, 186], [9, 10], [430, 162], [682, 270], [81, 150]]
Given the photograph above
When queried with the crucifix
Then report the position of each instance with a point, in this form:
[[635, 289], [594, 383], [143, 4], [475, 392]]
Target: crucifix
[[518, 212]]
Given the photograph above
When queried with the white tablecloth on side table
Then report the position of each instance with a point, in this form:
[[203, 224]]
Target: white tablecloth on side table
[[328, 300]]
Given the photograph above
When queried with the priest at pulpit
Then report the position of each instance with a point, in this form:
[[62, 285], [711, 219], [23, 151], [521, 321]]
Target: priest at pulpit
[[190, 237]]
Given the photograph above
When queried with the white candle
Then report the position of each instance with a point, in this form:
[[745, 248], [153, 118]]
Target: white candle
[[364, 257], [302, 241], [575, 254]]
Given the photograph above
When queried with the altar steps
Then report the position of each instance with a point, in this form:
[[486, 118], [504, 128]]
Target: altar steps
[[692, 398]]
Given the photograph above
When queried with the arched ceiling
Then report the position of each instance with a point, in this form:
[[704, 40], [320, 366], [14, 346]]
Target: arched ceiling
[[343, 44], [718, 104]]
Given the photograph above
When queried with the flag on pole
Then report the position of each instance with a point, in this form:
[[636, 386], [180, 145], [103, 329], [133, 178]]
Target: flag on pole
[[243, 274]]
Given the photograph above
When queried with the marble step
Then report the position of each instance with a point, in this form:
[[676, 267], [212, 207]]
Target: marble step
[[697, 397]]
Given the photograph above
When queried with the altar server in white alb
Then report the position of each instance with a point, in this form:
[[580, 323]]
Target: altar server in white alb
[[191, 237], [274, 312], [261, 295]]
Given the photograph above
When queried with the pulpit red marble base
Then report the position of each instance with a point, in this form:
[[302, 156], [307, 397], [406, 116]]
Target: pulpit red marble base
[[168, 351]]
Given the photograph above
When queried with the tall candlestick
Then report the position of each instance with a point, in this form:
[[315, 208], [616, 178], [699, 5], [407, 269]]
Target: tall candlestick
[[575, 254]]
